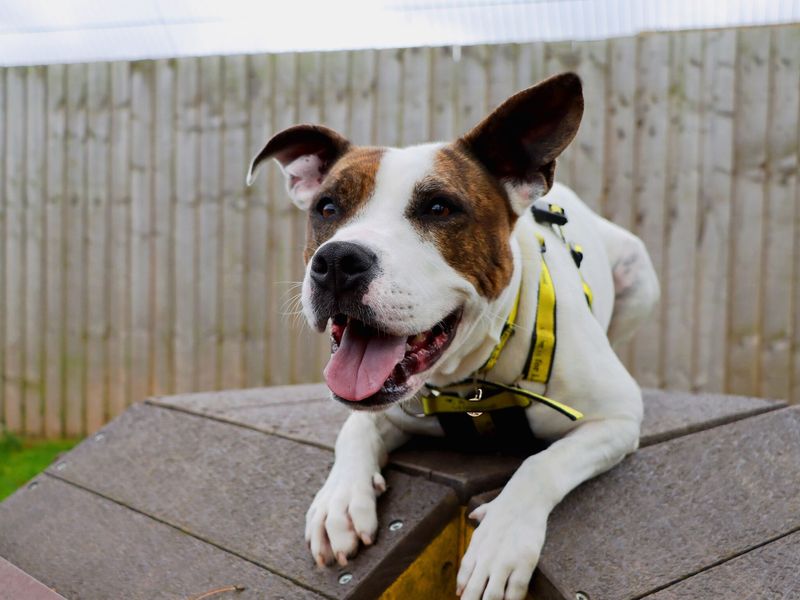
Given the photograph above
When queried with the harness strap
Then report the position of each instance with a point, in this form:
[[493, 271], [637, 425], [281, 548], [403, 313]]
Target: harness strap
[[508, 330], [539, 363], [497, 411], [506, 430], [555, 215], [494, 397]]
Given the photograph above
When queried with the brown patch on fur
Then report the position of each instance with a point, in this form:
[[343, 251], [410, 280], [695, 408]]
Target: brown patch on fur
[[476, 243], [350, 183]]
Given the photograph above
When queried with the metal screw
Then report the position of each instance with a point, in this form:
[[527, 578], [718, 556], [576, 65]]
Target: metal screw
[[395, 525], [99, 437], [345, 578], [60, 466], [33, 484], [581, 596]]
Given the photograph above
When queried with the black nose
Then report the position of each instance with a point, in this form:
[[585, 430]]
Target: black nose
[[342, 267]]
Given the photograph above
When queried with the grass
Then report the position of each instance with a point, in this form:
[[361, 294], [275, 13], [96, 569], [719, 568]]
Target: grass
[[22, 458]]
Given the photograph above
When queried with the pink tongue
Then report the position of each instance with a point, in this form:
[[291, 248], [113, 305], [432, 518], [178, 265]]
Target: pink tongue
[[361, 365]]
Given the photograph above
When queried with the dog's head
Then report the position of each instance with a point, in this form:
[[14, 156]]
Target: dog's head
[[407, 248]]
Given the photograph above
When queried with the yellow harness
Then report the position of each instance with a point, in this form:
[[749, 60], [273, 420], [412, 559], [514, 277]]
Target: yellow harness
[[491, 396]]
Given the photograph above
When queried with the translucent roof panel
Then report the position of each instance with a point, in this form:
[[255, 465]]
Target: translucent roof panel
[[43, 31]]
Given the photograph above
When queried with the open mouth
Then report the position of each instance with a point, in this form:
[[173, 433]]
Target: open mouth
[[371, 367]]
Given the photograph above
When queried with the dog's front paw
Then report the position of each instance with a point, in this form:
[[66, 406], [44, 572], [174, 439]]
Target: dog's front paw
[[342, 513], [503, 552]]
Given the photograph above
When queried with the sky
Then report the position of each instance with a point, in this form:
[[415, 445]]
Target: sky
[[61, 31]]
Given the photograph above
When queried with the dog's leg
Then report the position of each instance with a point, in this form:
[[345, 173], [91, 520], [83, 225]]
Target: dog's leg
[[343, 511], [505, 547], [636, 289]]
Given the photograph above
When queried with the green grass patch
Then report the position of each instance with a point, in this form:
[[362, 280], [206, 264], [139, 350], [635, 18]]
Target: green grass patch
[[23, 458]]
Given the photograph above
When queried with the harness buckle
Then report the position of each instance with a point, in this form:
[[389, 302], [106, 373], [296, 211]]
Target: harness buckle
[[476, 398]]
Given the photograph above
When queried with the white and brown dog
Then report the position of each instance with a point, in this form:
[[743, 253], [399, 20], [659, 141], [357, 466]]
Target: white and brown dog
[[416, 257]]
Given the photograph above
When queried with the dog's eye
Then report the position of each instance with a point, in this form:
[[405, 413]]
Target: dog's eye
[[326, 207], [440, 208]]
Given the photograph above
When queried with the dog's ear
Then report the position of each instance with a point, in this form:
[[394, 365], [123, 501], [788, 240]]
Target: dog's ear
[[519, 142], [305, 154]]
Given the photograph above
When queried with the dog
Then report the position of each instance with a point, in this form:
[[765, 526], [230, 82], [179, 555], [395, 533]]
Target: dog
[[417, 259]]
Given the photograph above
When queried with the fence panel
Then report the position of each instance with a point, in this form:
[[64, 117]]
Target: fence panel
[[133, 260]]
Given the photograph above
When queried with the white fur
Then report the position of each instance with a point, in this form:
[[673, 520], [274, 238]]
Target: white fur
[[415, 290]]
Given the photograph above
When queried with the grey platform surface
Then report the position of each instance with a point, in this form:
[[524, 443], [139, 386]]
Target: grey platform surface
[[183, 495]]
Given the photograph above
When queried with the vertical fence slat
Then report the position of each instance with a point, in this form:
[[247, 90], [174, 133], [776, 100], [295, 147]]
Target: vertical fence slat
[[416, 94], [587, 147], [118, 257], [207, 234], [779, 234], [187, 158], [233, 211], [14, 239], [651, 139], [530, 65], [747, 216], [472, 88], [281, 344], [309, 110], [4, 115], [681, 209], [74, 351], [54, 247], [618, 147], [501, 65], [97, 187], [34, 248], [362, 117], [442, 111], [162, 204], [716, 165], [389, 113], [141, 166], [258, 277], [794, 391]]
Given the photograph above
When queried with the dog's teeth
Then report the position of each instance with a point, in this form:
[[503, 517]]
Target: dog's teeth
[[419, 338], [409, 348]]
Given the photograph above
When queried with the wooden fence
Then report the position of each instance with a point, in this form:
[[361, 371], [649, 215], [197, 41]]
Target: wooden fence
[[135, 262]]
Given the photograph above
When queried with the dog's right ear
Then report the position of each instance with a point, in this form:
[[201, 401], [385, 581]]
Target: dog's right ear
[[305, 154], [519, 142]]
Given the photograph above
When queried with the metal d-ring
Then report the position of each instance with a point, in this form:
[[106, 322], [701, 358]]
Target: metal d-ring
[[476, 398]]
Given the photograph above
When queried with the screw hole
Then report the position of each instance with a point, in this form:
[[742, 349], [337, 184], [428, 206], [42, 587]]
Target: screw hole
[[395, 525], [345, 578]]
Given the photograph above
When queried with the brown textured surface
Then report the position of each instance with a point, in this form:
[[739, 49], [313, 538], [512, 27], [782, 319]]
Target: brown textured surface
[[16, 584], [304, 413], [301, 412], [90, 548], [669, 414], [247, 492], [767, 572], [675, 508], [467, 474]]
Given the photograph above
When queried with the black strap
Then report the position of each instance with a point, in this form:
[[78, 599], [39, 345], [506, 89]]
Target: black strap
[[512, 433], [545, 215]]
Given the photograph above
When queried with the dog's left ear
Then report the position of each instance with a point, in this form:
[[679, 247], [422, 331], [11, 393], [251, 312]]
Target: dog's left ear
[[519, 142], [305, 154]]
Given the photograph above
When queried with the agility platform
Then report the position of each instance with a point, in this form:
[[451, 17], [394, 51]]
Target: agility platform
[[204, 496]]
